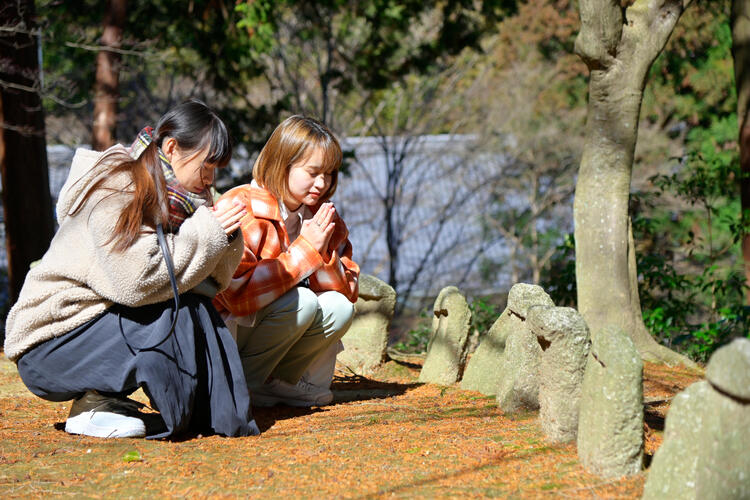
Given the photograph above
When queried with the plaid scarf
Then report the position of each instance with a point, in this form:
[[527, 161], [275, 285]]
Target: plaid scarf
[[182, 203]]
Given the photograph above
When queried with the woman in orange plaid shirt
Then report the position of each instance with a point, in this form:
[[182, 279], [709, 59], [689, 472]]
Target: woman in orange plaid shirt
[[291, 298]]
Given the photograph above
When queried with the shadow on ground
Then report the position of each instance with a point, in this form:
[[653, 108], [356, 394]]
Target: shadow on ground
[[345, 388], [385, 436]]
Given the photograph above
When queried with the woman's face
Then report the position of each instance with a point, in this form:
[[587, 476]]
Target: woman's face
[[191, 172], [307, 182]]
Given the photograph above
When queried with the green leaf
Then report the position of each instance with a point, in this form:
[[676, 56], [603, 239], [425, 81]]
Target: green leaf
[[132, 456]]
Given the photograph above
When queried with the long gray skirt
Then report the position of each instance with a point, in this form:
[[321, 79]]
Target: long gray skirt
[[193, 377]]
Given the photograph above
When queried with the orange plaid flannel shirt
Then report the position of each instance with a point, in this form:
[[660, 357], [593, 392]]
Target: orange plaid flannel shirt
[[272, 265]]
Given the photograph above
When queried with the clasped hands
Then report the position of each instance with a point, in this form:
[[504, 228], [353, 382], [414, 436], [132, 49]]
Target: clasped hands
[[319, 229], [229, 215]]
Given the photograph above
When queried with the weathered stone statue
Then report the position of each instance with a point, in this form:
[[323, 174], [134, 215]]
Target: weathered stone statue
[[519, 372], [565, 342], [706, 449], [446, 352], [489, 367], [366, 340], [610, 422]]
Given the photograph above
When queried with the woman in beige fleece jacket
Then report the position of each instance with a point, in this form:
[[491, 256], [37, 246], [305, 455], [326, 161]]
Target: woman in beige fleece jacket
[[92, 322]]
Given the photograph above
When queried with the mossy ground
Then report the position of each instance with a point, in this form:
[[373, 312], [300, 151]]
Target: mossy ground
[[386, 436]]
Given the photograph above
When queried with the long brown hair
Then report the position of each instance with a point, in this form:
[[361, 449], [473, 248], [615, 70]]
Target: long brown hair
[[194, 126], [291, 142]]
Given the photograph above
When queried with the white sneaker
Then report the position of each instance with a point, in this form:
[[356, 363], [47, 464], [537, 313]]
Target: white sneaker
[[302, 394], [101, 416]]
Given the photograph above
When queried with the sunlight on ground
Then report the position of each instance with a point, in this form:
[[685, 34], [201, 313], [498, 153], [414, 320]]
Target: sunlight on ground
[[395, 438]]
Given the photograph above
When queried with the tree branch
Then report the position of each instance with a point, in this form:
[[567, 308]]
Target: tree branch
[[601, 30]]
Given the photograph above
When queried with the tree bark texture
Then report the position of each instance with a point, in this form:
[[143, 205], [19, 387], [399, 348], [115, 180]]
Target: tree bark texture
[[619, 46], [26, 197], [106, 86], [741, 53]]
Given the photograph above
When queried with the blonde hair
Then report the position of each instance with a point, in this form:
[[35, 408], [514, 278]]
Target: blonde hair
[[292, 141]]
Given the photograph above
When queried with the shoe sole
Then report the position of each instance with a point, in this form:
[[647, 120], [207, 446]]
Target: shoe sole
[[265, 401], [81, 424]]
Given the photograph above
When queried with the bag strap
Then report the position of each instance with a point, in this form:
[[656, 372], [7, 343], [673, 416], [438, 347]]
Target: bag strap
[[170, 269]]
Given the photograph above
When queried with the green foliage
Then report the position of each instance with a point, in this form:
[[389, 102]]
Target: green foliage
[[693, 79], [68, 69], [132, 456], [255, 61], [559, 276], [416, 339], [373, 43], [171, 50], [254, 17], [691, 285], [691, 310], [483, 315], [688, 226]]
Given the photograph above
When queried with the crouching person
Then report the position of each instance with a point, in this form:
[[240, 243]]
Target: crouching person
[[291, 298], [122, 299]]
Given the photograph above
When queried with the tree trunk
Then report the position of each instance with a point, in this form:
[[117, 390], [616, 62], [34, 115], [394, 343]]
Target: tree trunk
[[23, 148], [741, 53], [618, 46], [106, 86]]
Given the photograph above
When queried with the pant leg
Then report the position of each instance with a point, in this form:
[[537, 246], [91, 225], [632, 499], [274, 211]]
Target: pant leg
[[222, 402], [278, 326], [316, 351], [92, 356], [320, 372], [196, 367]]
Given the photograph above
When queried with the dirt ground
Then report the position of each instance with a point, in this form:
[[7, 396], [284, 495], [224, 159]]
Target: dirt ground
[[387, 436]]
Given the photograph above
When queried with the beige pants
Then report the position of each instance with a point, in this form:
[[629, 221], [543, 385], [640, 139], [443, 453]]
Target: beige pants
[[297, 331]]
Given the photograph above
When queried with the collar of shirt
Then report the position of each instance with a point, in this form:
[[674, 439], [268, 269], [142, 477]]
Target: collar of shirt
[[293, 219]]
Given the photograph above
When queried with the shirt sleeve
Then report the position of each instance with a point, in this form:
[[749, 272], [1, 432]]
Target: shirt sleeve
[[265, 272], [138, 275], [339, 272]]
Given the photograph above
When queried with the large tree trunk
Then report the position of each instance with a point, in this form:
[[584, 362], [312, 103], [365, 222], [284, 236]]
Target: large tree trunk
[[618, 46], [741, 54], [106, 86], [23, 148]]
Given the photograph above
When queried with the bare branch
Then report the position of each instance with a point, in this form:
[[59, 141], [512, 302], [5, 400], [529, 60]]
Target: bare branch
[[20, 30], [107, 48], [28, 131]]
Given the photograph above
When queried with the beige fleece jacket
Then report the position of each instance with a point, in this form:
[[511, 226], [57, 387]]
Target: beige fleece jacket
[[80, 276]]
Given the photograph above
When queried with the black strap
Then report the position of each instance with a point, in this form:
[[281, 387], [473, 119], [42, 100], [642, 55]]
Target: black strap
[[170, 268]]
